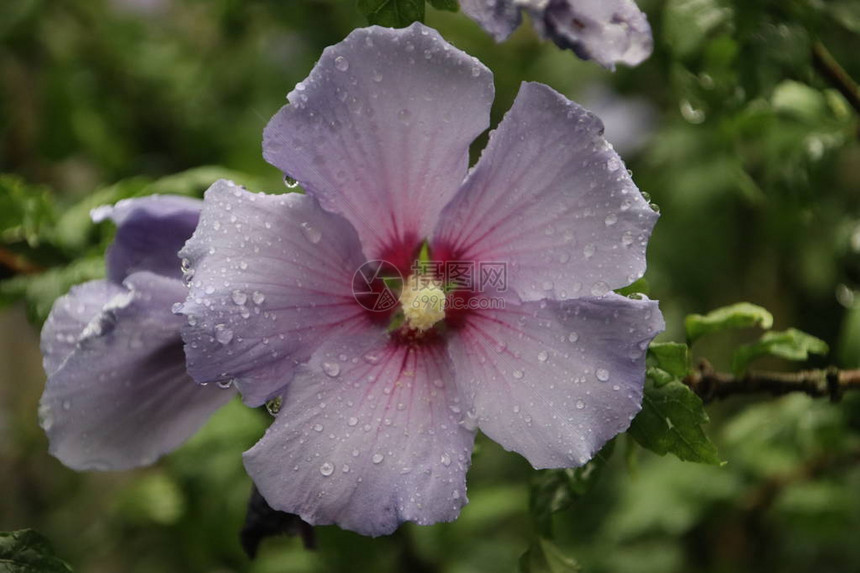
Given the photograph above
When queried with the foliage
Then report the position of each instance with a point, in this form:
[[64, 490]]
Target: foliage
[[26, 551]]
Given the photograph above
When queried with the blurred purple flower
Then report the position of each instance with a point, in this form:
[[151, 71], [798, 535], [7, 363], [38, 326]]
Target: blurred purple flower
[[606, 31], [381, 402], [117, 394], [629, 120]]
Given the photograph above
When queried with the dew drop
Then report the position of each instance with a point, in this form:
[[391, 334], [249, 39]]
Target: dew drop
[[542, 355], [518, 374], [239, 297], [377, 458], [258, 297], [573, 337], [589, 250], [332, 369], [290, 182], [611, 219], [602, 374], [445, 459], [327, 469], [341, 63], [223, 334], [352, 421], [580, 404], [311, 234], [599, 288]]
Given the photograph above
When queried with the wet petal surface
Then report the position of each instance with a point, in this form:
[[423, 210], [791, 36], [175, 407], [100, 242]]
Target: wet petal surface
[[122, 397], [150, 231], [368, 437], [380, 132], [270, 278], [551, 201], [552, 380]]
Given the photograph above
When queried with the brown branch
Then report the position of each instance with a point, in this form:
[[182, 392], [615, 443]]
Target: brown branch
[[829, 68], [18, 264], [832, 383]]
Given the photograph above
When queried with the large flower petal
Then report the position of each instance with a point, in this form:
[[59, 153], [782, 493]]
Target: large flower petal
[[368, 438], [497, 17], [270, 277], [555, 380], [68, 318], [380, 132], [150, 231], [606, 31], [122, 397], [551, 200]]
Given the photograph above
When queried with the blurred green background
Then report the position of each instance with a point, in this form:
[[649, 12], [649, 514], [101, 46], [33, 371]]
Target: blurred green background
[[731, 127]]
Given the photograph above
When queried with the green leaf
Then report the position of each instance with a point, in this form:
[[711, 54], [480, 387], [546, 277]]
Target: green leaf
[[791, 344], [846, 12], [556, 490], [26, 212], [688, 24], [450, 5], [800, 101], [40, 291], [26, 551], [672, 357], [545, 557], [153, 498], [671, 422], [740, 315], [394, 13]]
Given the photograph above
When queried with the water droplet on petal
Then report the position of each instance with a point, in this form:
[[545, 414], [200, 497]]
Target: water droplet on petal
[[543, 355], [580, 404], [341, 63], [312, 235], [589, 250], [290, 182], [223, 334], [327, 469], [445, 459], [239, 297], [573, 337], [377, 458], [332, 369], [602, 374], [611, 219], [518, 374], [599, 288], [352, 421], [258, 297]]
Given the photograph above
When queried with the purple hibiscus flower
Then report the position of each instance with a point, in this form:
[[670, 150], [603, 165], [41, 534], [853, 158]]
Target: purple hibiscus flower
[[382, 387], [606, 31], [117, 394]]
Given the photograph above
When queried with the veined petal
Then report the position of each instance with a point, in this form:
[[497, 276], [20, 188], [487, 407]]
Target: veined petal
[[553, 380], [606, 31], [551, 200], [380, 132], [270, 278], [122, 397], [150, 231], [69, 316], [498, 18], [368, 437]]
